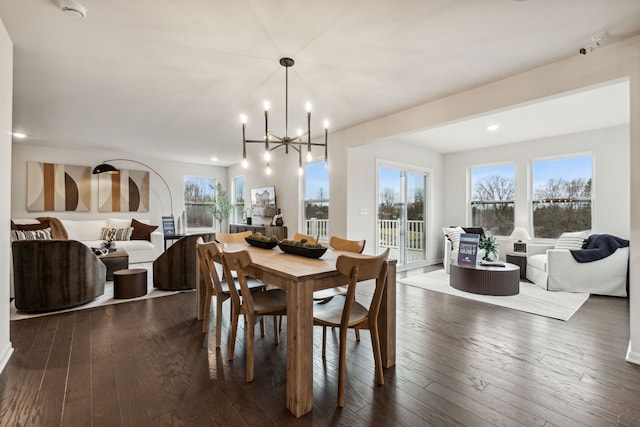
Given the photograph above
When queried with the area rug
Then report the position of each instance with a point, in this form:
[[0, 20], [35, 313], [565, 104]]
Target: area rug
[[531, 299], [104, 299]]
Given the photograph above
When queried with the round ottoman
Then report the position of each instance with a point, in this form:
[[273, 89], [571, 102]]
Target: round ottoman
[[130, 283]]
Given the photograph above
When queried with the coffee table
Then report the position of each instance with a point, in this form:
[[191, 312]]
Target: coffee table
[[114, 261], [499, 281]]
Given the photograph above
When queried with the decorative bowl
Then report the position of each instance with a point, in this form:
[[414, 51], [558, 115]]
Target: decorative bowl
[[302, 251], [264, 244]]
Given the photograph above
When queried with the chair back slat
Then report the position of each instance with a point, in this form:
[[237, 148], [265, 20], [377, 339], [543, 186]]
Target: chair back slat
[[237, 261], [208, 255], [340, 244], [232, 237]]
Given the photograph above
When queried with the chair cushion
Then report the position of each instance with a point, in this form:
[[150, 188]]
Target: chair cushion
[[573, 240], [537, 261]]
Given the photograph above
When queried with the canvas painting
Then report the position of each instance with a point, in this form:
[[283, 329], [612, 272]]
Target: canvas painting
[[58, 187], [127, 191]]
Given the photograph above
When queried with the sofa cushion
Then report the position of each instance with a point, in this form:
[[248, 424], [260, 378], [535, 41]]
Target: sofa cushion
[[537, 261], [118, 223], [573, 240], [110, 233], [142, 231], [30, 227], [453, 234], [44, 234], [84, 229], [134, 245]]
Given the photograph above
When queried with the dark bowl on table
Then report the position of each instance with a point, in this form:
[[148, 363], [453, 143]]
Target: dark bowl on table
[[302, 251], [264, 244]]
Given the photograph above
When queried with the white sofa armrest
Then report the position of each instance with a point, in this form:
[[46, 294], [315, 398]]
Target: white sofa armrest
[[157, 240], [538, 248], [447, 254], [607, 276]]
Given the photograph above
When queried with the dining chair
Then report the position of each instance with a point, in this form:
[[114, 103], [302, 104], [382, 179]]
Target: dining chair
[[210, 255], [339, 244], [252, 305], [233, 237], [345, 312], [299, 236]]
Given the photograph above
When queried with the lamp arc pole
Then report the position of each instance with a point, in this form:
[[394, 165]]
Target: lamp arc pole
[[105, 167]]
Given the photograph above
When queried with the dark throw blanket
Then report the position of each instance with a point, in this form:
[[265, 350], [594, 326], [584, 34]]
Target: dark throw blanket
[[598, 246]]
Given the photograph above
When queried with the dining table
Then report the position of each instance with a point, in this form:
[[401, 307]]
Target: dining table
[[300, 276]]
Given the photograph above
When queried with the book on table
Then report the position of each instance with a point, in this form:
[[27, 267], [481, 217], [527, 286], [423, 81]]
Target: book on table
[[168, 226], [468, 249]]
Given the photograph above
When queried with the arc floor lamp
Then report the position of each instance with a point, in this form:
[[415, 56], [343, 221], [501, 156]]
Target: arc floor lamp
[[105, 167]]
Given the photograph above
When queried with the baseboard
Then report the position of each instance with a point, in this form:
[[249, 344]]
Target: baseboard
[[6, 354], [632, 357]]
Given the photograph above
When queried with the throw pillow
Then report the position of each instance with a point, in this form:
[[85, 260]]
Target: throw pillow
[[116, 233], [44, 234], [573, 240], [453, 234], [142, 231], [30, 227]]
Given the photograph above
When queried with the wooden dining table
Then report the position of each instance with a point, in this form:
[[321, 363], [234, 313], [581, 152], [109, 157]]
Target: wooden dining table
[[300, 277]]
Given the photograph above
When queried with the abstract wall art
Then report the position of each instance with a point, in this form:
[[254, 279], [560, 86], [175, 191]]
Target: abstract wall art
[[127, 191], [58, 187]]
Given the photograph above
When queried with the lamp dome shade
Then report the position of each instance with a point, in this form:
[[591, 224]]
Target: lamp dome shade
[[104, 168]]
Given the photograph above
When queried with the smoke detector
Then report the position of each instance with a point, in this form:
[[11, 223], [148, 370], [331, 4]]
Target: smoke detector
[[73, 9]]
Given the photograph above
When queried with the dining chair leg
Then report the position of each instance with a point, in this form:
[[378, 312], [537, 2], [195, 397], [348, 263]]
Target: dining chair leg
[[206, 307], [280, 323], [218, 321], [342, 366], [275, 328], [232, 334], [324, 342], [262, 327], [357, 333], [377, 354], [251, 326]]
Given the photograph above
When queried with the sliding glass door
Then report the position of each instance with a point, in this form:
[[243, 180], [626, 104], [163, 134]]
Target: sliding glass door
[[401, 214]]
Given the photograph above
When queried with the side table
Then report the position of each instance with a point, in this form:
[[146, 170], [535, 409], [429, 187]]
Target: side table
[[519, 259]]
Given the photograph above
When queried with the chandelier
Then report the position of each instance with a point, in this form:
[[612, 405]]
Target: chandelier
[[272, 141]]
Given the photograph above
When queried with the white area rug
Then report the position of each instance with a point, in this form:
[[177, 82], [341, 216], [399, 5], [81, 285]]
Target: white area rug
[[104, 299], [531, 299]]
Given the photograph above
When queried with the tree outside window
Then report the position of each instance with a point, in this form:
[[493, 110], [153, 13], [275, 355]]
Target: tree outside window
[[198, 200], [561, 196], [492, 198]]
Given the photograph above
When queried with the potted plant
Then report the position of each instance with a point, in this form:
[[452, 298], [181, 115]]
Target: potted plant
[[490, 246], [221, 207]]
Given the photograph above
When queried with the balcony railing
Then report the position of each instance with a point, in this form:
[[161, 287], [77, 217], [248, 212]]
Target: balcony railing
[[317, 227], [389, 232]]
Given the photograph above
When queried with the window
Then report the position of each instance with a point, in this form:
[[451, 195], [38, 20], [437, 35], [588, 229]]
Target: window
[[198, 199], [238, 199], [492, 198], [561, 196], [316, 200]]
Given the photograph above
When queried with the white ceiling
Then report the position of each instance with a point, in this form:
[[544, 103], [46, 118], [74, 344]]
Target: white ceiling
[[170, 78]]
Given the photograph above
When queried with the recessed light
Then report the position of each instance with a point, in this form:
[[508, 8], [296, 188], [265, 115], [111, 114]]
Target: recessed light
[[493, 128], [73, 9], [214, 159], [19, 135]]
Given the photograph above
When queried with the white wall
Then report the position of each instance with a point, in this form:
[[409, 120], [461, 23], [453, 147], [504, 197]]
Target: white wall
[[172, 172], [6, 102], [362, 184], [610, 151]]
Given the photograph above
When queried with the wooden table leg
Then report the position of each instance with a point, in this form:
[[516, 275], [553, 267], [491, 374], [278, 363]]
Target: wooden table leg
[[299, 347], [387, 319]]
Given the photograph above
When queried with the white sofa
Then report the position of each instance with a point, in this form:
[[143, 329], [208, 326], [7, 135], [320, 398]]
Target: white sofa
[[557, 270], [89, 232]]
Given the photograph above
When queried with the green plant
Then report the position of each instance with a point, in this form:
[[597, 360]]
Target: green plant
[[221, 207], [490, 246]]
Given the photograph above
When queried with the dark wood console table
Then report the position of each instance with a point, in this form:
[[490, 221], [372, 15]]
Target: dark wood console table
[[267, 230], [499, 281]]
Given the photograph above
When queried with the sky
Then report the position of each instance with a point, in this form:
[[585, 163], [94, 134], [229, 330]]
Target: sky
[[316, 176]]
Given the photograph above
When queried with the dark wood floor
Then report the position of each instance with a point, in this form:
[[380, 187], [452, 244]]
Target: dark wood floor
[[459, 362]]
